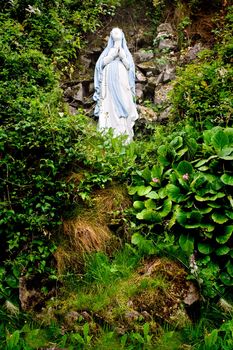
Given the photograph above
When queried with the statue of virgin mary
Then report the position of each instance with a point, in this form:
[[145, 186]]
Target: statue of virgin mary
[[114, 83]]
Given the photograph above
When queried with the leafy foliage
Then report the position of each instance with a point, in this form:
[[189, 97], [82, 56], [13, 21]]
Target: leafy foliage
[[40, 143], [191, 197], [202, 92]]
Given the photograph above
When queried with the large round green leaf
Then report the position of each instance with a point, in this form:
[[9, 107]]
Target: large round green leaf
[[150, 204], [139, 205], [181, 217], [174, 194], [205, 248], [152, 195], [184, 167], [157, 171], [204, 161], [226, 279], [229, 267], [166, 209], [226, 153], [177, 142], [149, 215], [210, 198], [229, 214], [146, 174], [132, 190], [227, 179], [206, 210], [162, 192], [219, 218], [207, 227], [220, 140], [143, 190], [222, 250], [186, 243], [226, 236]]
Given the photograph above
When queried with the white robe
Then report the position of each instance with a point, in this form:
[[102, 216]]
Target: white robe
[[108, 116]]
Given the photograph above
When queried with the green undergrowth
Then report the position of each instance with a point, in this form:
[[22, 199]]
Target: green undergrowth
[[89, 313]]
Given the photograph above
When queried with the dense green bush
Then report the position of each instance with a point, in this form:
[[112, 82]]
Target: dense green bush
[[56, 28], [188, 193], [40, 143]]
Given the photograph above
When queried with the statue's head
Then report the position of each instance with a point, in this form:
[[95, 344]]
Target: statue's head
[[116, 34]]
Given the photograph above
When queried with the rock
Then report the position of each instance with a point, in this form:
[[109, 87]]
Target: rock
[[169, 73], [139, 91], [91, 87], [87, 317], [191, 53], [72, 317], [75, 93], [192, 295], [151, 85], [140, 77], [149, 66], [149, 74], [85, 61], [68, 92], [147, 114], [167, 44], [161, 93], [78, 92], [72, 110], [143, 56], [159, 78], [164, 114], [165, 28]]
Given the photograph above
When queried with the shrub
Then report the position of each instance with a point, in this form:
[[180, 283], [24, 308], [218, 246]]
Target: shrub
[[189, 195]]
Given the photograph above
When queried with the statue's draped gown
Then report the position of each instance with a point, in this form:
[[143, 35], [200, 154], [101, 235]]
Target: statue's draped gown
[[115, 92]]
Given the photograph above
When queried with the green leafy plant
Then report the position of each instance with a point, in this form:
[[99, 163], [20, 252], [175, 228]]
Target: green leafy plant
[[191, 198]]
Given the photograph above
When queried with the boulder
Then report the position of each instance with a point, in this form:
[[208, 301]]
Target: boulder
[[68, 93], [151, 84], [91, 87], [140, 77], [165, 28], [191, 53], [78, 92], [161, 93], [139, 91], [143, 56], [72, 110], [167, 44], [147, 114], [169, 73], [164, 114], [85, 61], [149, 67]]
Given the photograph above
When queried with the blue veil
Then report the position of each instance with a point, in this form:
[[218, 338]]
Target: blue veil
[[114, 80]]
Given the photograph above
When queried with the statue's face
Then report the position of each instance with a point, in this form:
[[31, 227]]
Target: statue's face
[[116, 34]]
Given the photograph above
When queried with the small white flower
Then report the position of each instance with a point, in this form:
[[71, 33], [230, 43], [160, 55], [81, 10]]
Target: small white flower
[[192, 264], [34, 10], [222, 72]]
